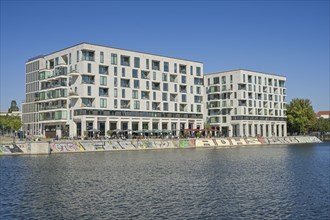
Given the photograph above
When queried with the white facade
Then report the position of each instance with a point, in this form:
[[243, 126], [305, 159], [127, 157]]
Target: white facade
[[245, 103], [89, 86]]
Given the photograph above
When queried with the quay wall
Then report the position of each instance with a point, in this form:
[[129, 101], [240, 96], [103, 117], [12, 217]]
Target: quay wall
[[31, 148]]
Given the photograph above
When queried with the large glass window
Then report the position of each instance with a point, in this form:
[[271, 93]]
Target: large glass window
[[114, 59], [135, 73], [183, 79], [164, 76], [165, 106], [136, 62], [164, 96], [123, 94], [88, 55], [103, 103], [136, 84], [136, 104], [165, 86], [166, 65], [115, 92], [103, 80], [198, 71], [135, 94], [115, 71], [89, 90], [147, 64], [101, 57]]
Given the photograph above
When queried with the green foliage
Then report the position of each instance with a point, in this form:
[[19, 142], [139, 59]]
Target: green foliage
[[300, 115], [322, 125], [13, 107]]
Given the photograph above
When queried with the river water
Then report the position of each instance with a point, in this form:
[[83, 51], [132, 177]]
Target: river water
[[269, 182]]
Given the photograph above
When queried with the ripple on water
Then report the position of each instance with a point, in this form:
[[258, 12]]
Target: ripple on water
[[286, 182]]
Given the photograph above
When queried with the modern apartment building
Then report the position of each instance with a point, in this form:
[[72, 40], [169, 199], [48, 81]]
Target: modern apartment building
[[90, 87], [246, 103]]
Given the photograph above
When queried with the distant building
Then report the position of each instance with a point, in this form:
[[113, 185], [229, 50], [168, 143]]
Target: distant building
[[246, 103], [323, 114]]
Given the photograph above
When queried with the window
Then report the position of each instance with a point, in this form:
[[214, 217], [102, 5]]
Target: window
[[135, 73], [154, 76], [123, 95], [115, 103], [231, 78], [103, 103], [115, 71], [223, 79], [89, 67], [147, 85], [125, 60], [183, 98], [103, 80], [164, 76], [136, 62], [198, 71], [136, 84], [123, 72], [191, 70], [183, 79], [154, 95], [147, 64], [175, 88], [56, 61], [135, 94], [114, 59], [175, 68], [115, 92], [69, 58], [164, 96], [216, 80], [89, 90], [165, 106], [198, 90], [136, 104], [191, 89], [165, 86], [78, 56], [147, 105], [192, 108], [101, 57], [115, 82], [166, 66], [175, 107], [199, 108], [183, 69]]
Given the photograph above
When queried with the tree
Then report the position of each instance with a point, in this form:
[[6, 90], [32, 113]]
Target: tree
[[300, 115], [322, 125], [13, 107]]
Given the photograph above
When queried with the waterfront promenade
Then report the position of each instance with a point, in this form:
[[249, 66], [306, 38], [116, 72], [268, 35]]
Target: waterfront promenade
[[81, 146]]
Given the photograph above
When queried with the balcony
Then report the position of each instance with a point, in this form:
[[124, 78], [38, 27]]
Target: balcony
[[183, 107], [173, 97], [125, 83], [145, 95], [155, 65], [145, 75], [88, 55], [198, 81], [182, 69], [156, 106], [173, 78], [155, 86], [125, 104], [183, 89]]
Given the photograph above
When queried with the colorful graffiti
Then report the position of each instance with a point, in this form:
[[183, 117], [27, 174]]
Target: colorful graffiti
[[58, 147]]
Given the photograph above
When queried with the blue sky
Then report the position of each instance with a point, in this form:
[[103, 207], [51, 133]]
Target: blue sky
[[288, 38]]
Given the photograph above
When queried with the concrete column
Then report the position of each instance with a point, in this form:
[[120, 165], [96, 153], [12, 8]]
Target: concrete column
[[107, 126], [73, 129], [279, 130], [264, 131], [119, 125], [240, 131], [284, 130], [270, 130], [95, 123], [275, 129], [140, 125], [253, 132], [83, 127], [230, 133], [258, 129]]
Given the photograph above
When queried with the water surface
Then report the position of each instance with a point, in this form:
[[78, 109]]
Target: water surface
[[280, 181]]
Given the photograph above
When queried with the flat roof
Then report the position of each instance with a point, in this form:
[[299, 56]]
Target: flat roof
[[42, 56], [206, 74]]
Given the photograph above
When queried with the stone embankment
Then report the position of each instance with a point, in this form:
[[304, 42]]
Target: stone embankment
[[31, 148]]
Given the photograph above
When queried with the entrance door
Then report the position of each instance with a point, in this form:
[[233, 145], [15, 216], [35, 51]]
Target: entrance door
[[225, 131]]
